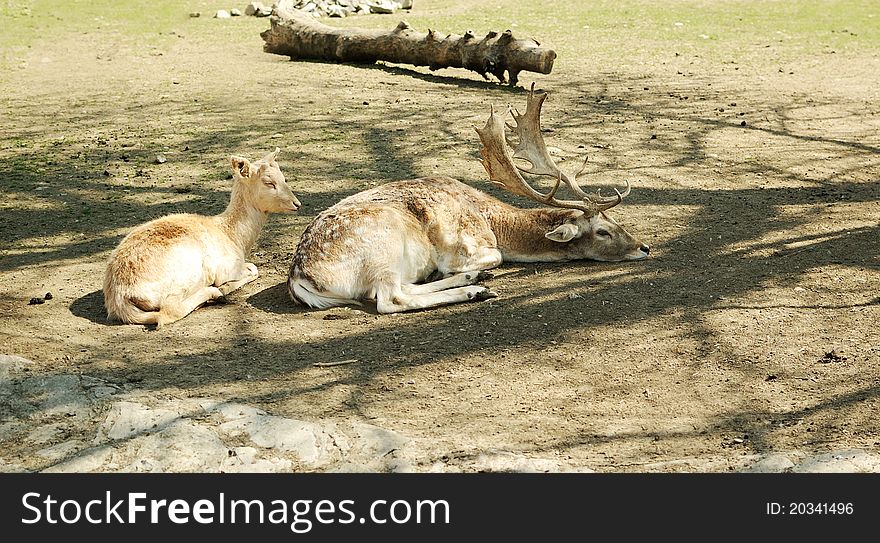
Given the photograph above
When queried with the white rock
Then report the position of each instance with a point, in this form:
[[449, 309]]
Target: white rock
[[384, 6], [91, 460], [59, 451], [506, 461], [373, 441], [244, 460], [10, 364], [44, 434], [183, 446], [305, 440], [843, 461], [235, 12], [771, 463], [127, 419], [232, 411], [57, 395], [222, 14]]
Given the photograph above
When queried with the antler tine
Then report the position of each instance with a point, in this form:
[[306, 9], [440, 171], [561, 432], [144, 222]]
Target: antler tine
[[603, 203], [503, 172], [531, 147], [528, 144]]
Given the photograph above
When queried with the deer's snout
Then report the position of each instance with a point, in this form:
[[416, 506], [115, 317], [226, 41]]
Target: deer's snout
[[645, 249]]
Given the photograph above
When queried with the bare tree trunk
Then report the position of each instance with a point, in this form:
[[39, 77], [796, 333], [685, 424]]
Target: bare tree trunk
[[300, 36]]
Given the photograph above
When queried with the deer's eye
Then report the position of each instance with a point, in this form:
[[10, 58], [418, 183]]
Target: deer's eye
[[604, 233], [269, 184]]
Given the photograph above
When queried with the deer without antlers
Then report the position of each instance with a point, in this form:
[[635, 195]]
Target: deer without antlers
[[164, 269], [382, 243]]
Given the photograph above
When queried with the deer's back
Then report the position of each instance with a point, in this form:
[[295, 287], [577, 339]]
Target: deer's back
[[165, 245], [405, 225]]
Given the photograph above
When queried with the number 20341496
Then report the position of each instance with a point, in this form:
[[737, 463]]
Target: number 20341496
[[810, 508]]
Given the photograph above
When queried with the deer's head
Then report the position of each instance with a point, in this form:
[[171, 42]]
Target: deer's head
[[264, 183], [588, 231]]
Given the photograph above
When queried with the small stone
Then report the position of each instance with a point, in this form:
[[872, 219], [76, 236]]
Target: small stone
[[234, 12], [384, 7], [742, 123], [195, 14], [48, 296], [254, 9], [36, 301], [222, 14]]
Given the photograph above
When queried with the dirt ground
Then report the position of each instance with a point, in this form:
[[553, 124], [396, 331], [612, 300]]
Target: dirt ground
[[753, 149]]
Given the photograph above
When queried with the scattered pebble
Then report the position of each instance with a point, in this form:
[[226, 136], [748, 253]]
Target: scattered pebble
[[832, 356], [330, 8], [160, 159], [36, 301], [222, 14], [257, 9]]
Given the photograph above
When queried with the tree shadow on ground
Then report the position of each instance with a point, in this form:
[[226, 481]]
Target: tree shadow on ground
[[91, 307], [731, 239]]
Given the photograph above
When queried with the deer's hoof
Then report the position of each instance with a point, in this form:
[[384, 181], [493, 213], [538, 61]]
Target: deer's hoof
[[485, 276], [484, 294]]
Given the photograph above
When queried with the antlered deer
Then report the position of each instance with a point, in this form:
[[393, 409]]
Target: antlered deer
[[381, 243], [166, 268]]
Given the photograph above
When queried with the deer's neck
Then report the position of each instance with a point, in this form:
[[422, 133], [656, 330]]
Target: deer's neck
[[241, 220], [520, 233]]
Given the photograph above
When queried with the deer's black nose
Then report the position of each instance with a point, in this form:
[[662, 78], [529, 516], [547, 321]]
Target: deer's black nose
[[645, 249]]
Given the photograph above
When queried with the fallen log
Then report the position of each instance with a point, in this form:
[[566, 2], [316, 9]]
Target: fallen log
[[300, 36]]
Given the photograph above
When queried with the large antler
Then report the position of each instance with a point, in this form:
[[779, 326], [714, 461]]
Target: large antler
[[529, 146]]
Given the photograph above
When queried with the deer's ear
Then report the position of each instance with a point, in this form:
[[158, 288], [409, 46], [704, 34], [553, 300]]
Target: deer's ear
[[562, 233], [241, 167]]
